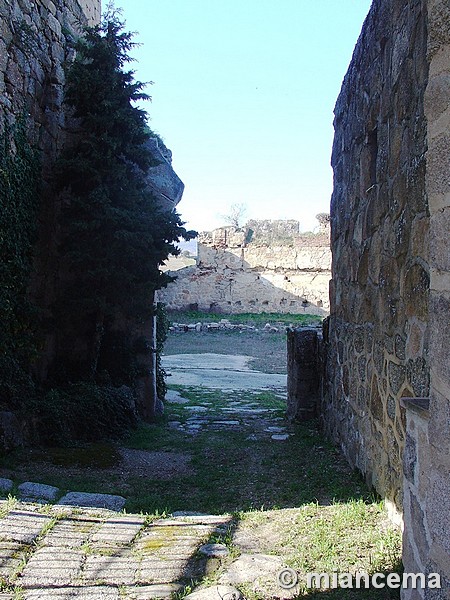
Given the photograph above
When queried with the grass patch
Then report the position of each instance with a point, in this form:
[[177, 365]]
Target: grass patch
[[256, 319], [297, 498]]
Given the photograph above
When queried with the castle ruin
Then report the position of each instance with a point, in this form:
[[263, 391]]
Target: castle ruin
[[267, 266]]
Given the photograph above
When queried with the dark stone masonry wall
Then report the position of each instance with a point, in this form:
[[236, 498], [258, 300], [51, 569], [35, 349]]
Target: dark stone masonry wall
[[33, 50], [379, 221], [386, 389]]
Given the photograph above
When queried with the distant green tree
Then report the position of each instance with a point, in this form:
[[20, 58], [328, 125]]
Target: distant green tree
[[115, 235]]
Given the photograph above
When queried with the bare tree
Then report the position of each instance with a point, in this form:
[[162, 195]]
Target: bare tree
[[236, 215]]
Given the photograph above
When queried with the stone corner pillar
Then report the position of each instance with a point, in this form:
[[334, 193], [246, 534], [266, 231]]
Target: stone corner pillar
[[303, 380]]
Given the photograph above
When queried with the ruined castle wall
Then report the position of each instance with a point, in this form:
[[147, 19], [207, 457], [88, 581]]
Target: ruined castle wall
[[378, 334], [32, 53], [426, 541], [235, 276]]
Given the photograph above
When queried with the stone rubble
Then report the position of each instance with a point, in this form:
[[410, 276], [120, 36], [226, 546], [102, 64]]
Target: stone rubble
[[222, 325]]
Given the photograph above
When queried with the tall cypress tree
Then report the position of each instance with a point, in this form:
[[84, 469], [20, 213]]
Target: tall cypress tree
[[114, 234]]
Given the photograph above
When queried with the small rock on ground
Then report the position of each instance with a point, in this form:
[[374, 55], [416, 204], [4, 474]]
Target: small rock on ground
[[249, 567], [214, 550], [280, 437], [38, 492], [216, 592], [174, 397], [5, 485], [93, 500]]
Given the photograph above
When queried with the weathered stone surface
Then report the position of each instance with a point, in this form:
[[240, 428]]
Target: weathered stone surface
[[266, 267], [303, 373], [5, 485], [22, 526], [71, 533], [121, 568], [379, 232], [214, 550], [38, 492], [216, 592], [250, 567], [147, 592], [11, 556], [50, 567], [108, 501], [119, 531], [80, 593]]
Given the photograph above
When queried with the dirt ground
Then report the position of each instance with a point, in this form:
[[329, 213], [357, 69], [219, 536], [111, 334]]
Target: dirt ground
[[267, 348]]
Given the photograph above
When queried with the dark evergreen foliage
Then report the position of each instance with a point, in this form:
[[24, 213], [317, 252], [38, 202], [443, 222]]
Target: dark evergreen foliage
[[115, 235]]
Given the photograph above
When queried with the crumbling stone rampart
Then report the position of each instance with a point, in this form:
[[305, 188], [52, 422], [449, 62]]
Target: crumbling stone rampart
[[265, 267], [378, 334], [386, 397]]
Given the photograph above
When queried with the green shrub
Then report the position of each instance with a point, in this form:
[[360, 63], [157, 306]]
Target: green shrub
[[85, 412]]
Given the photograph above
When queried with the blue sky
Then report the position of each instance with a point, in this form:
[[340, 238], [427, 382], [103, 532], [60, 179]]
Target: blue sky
[[243, 95]]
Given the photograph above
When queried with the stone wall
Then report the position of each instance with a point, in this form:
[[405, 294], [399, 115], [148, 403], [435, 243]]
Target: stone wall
[[427, 460], [386, 391], [378, 336], [265, 267], [33, 50]]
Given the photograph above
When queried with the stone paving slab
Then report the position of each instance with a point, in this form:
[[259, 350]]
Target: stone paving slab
[[22, 526], [71, 533], [72, 593], [119, 569], [52, 566], [148, 592], [171, 570], [11, 554], [119, 531]]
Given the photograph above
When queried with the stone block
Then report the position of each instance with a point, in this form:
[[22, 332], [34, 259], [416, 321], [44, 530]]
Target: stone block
[[119, 569], [50, 567], [410, 458], [38, 492], [439, 249], [440, 343], [95, 592], [22, 526], [249, 567], [148, 592], [6, 485], [108, 501], [54, 25], [120, 531], [303, 373], [438, 507], [397, 377], [416, 292]]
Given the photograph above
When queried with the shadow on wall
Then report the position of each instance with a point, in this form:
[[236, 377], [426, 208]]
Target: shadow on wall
[[224, 282]]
